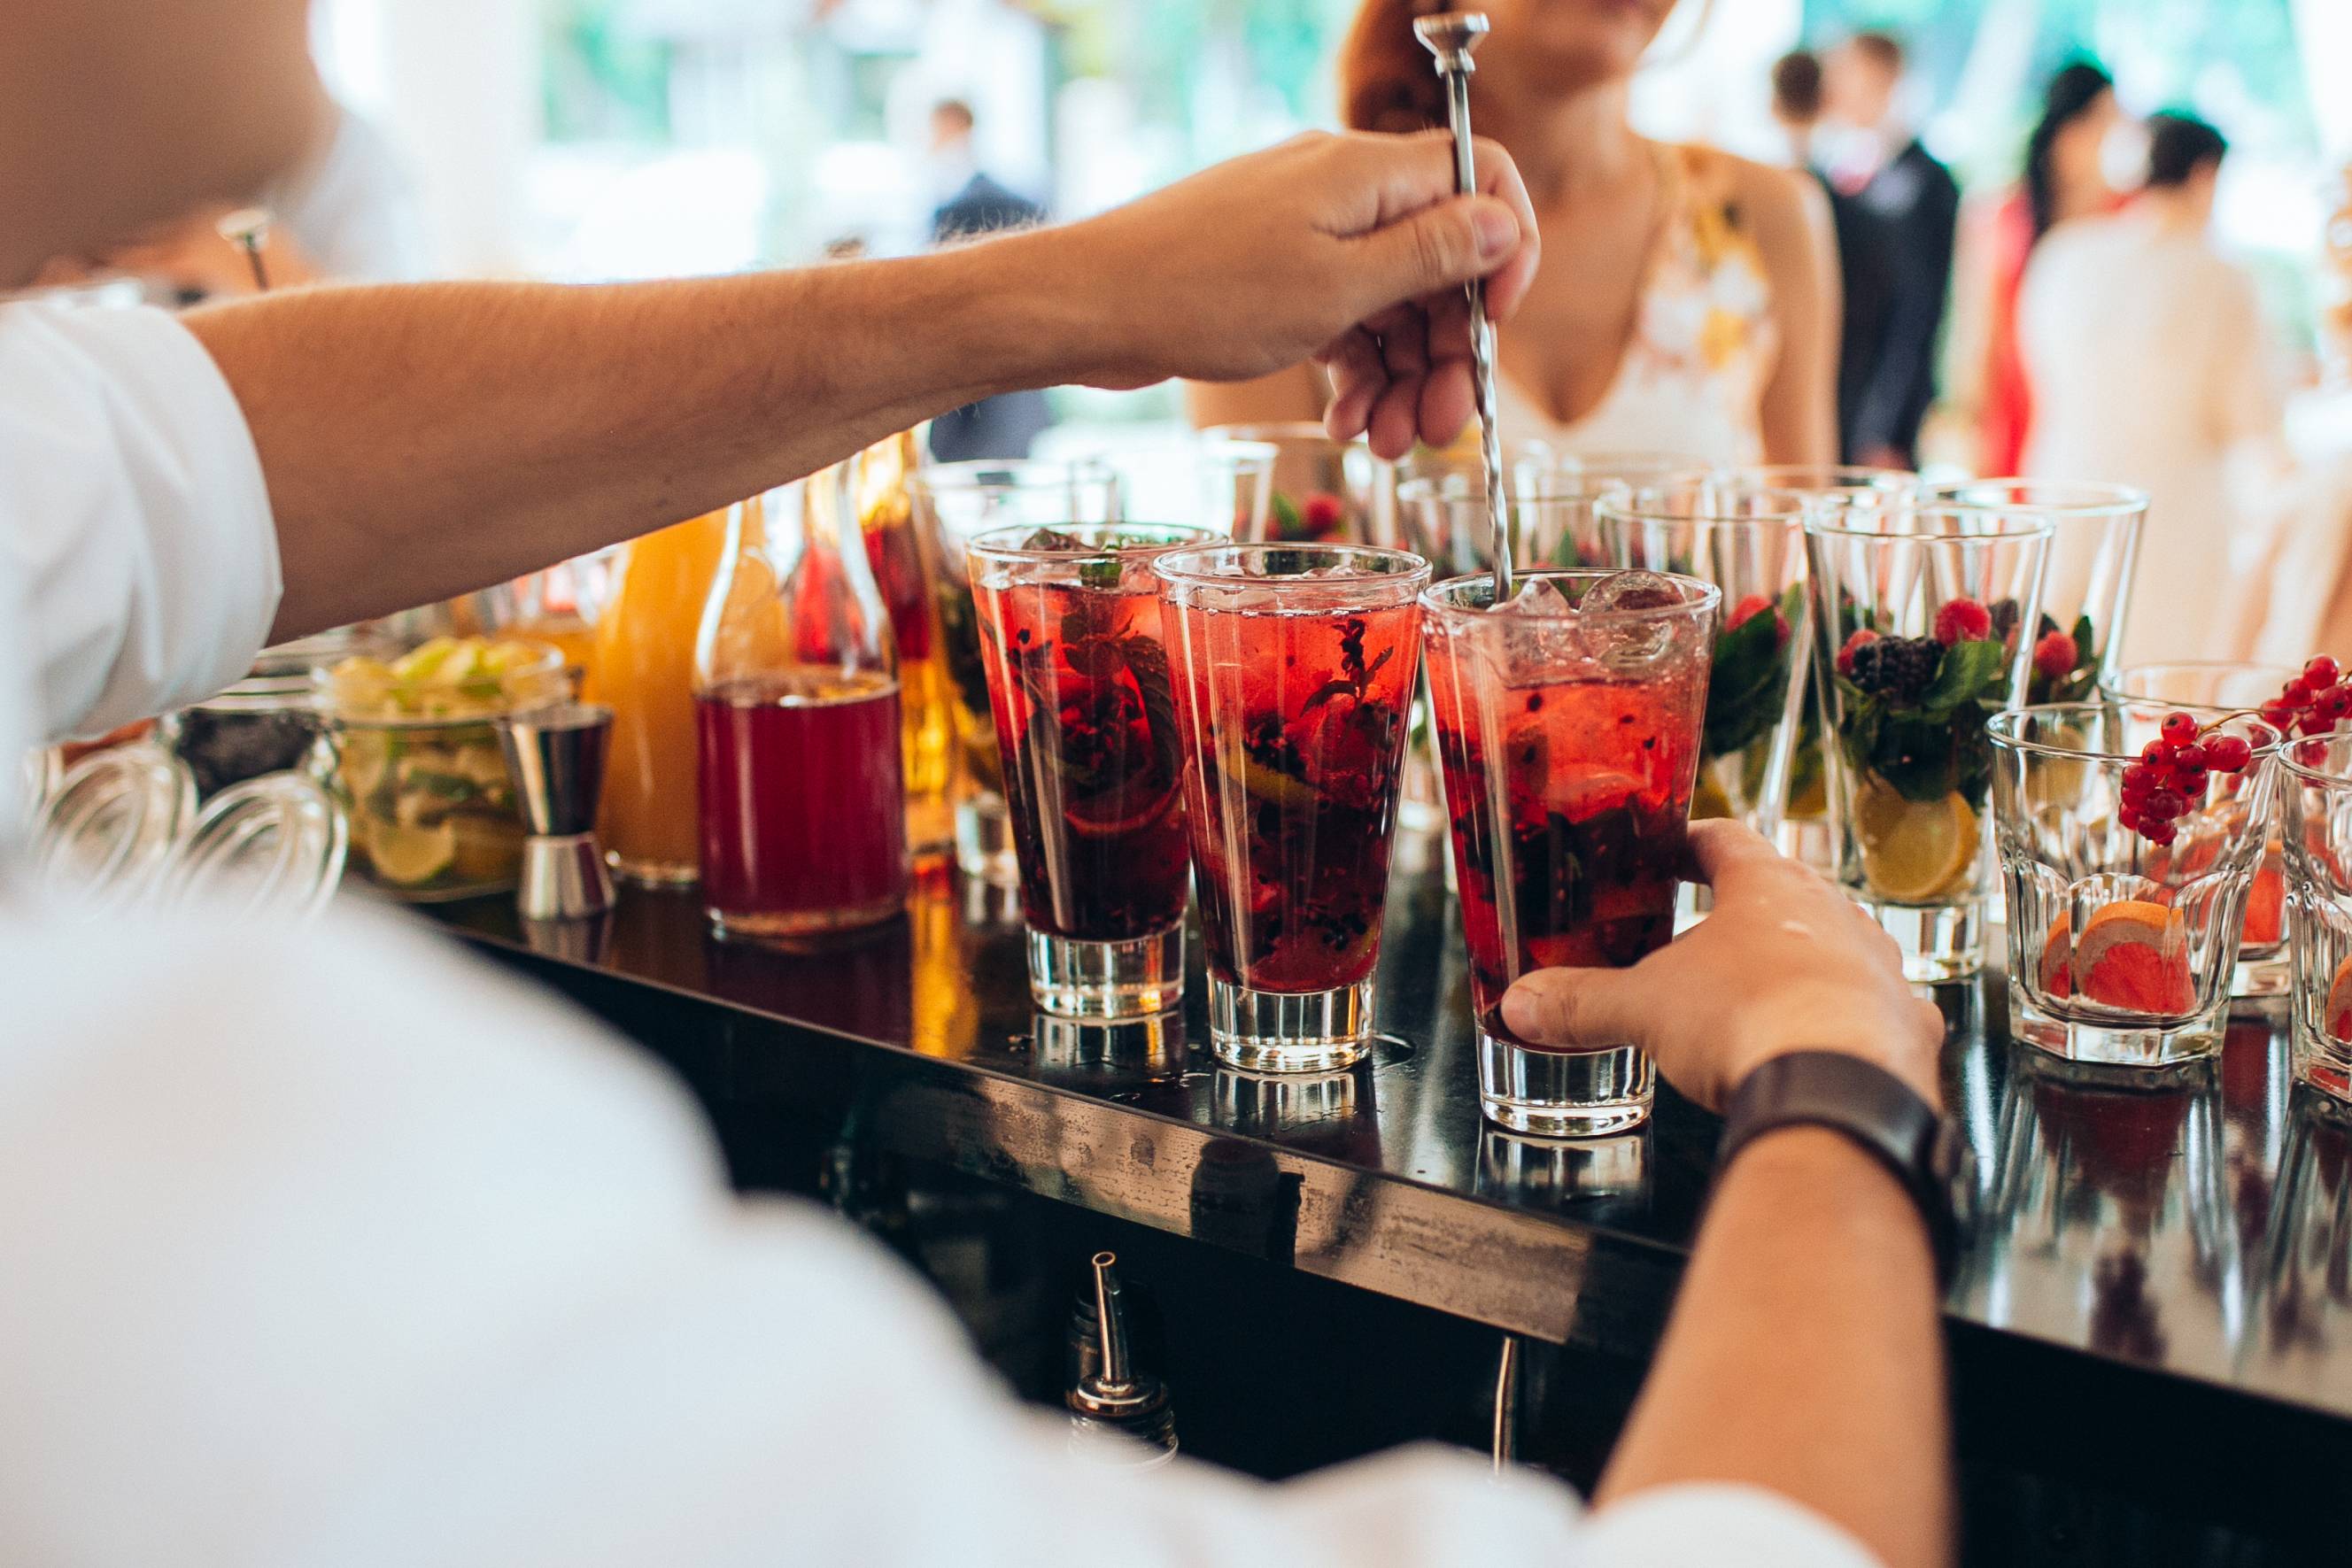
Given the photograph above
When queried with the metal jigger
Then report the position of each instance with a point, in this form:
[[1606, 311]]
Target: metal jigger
[[1450, 36], [1118, 1414], [556, 758]]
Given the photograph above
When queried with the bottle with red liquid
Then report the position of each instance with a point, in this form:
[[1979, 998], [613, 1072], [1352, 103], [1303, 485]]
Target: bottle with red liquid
[[797, 725]]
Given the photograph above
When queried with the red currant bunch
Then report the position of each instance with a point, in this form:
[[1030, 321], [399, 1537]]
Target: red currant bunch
[[2314, 702], [2169, 781]]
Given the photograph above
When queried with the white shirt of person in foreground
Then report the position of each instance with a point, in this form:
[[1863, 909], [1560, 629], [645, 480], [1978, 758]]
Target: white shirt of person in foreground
[[331, 1247]]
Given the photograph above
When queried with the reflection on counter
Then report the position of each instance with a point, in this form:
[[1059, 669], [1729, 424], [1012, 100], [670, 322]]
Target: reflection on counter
[[1107, 1054], [2304, 1290], [1576, 1176]]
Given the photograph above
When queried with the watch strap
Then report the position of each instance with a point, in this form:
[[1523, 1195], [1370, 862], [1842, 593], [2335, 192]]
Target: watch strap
[[1876, 1109]]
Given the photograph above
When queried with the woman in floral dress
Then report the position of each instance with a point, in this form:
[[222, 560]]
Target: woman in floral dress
[[1687, 303]]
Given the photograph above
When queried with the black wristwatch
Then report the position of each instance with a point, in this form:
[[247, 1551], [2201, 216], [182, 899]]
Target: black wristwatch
[[1879, 1112]]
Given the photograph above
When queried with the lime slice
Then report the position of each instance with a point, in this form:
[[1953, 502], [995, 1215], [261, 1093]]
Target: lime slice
[[411, 857]]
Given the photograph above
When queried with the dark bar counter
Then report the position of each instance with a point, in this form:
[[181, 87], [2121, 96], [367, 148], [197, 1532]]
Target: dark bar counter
[[2158, 1296]]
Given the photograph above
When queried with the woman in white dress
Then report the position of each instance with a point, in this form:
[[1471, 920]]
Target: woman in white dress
[[2143, 349], [1687, 303]]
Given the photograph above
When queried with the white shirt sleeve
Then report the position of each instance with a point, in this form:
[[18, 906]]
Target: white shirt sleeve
[[138, 559], [329, 1247]]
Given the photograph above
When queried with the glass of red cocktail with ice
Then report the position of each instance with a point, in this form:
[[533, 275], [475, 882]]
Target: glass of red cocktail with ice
[[1294, 668], [1568, 725], [1070, 624]]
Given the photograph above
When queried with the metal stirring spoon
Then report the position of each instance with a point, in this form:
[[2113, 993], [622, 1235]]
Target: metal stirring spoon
[[1450, 36]]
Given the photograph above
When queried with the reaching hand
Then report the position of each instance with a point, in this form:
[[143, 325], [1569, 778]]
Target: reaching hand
[[1349, 249], [1785, 962]]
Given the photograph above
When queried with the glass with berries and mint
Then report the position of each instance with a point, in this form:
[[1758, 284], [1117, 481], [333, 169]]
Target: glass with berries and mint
[[1910, 662], [1323, 492], [2129, 837], [1570, 724], [1071, 639], [1750, 543], [2209, 690], [1294, 667], [2083, 633]]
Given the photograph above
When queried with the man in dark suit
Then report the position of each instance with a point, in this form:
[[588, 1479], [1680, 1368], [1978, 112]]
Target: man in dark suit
[[1866, 251], [1005, 426], [1892, 177]]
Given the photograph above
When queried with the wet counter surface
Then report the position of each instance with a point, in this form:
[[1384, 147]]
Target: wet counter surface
[[2179, 1253]]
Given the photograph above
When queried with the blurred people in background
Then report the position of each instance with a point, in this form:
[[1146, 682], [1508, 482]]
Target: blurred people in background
[[1890, 175], [2065, 177], [970, 204], [2143, 351], [1865, 250], [1690, 302]]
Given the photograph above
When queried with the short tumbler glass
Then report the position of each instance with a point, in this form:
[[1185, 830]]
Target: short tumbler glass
[[1910, 658], [2121, 947], [1294, 669], [1570, 740], [2208, 691], [1086, 721], [2316, 780]]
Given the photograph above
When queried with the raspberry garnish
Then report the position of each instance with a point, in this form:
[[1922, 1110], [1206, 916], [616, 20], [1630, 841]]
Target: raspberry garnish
[[1854, 644], [2055, 655], [1963, 621]]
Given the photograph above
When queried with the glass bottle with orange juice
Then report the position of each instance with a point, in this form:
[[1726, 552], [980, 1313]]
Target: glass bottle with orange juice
[[881, 476], [642, 666]]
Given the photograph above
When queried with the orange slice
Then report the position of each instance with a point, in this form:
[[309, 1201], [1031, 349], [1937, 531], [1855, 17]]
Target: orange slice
[[2266, 903], [2339, 1004], [2057, 968], [2134, 955]]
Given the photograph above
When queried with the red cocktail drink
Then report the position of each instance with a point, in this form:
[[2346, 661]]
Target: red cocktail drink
[[1086, 721], [1293, 669], [803, 815], [1569, 725]]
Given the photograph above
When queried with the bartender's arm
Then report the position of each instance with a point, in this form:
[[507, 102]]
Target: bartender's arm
[[418, 442], [1804, 1354]]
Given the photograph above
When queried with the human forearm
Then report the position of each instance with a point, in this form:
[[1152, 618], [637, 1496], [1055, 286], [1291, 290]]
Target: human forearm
[[421, 442], [544, 421], [1803, 1355]]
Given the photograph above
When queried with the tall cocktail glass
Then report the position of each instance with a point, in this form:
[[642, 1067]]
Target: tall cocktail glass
[[2208, 691], [1323, 491], [1910, 658], [953, 503], [1293, 666], [2082, 633], [1749, 543], [1568, 723], [1070, 632]]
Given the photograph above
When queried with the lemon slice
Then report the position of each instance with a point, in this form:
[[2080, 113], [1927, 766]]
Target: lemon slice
[[484, 849], [1912, 851], [411, 857]]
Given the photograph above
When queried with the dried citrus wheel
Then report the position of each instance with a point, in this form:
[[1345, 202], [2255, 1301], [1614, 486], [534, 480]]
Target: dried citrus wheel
[[1913, 851], [2339, 1004], [2134, 955], [411, 857]]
